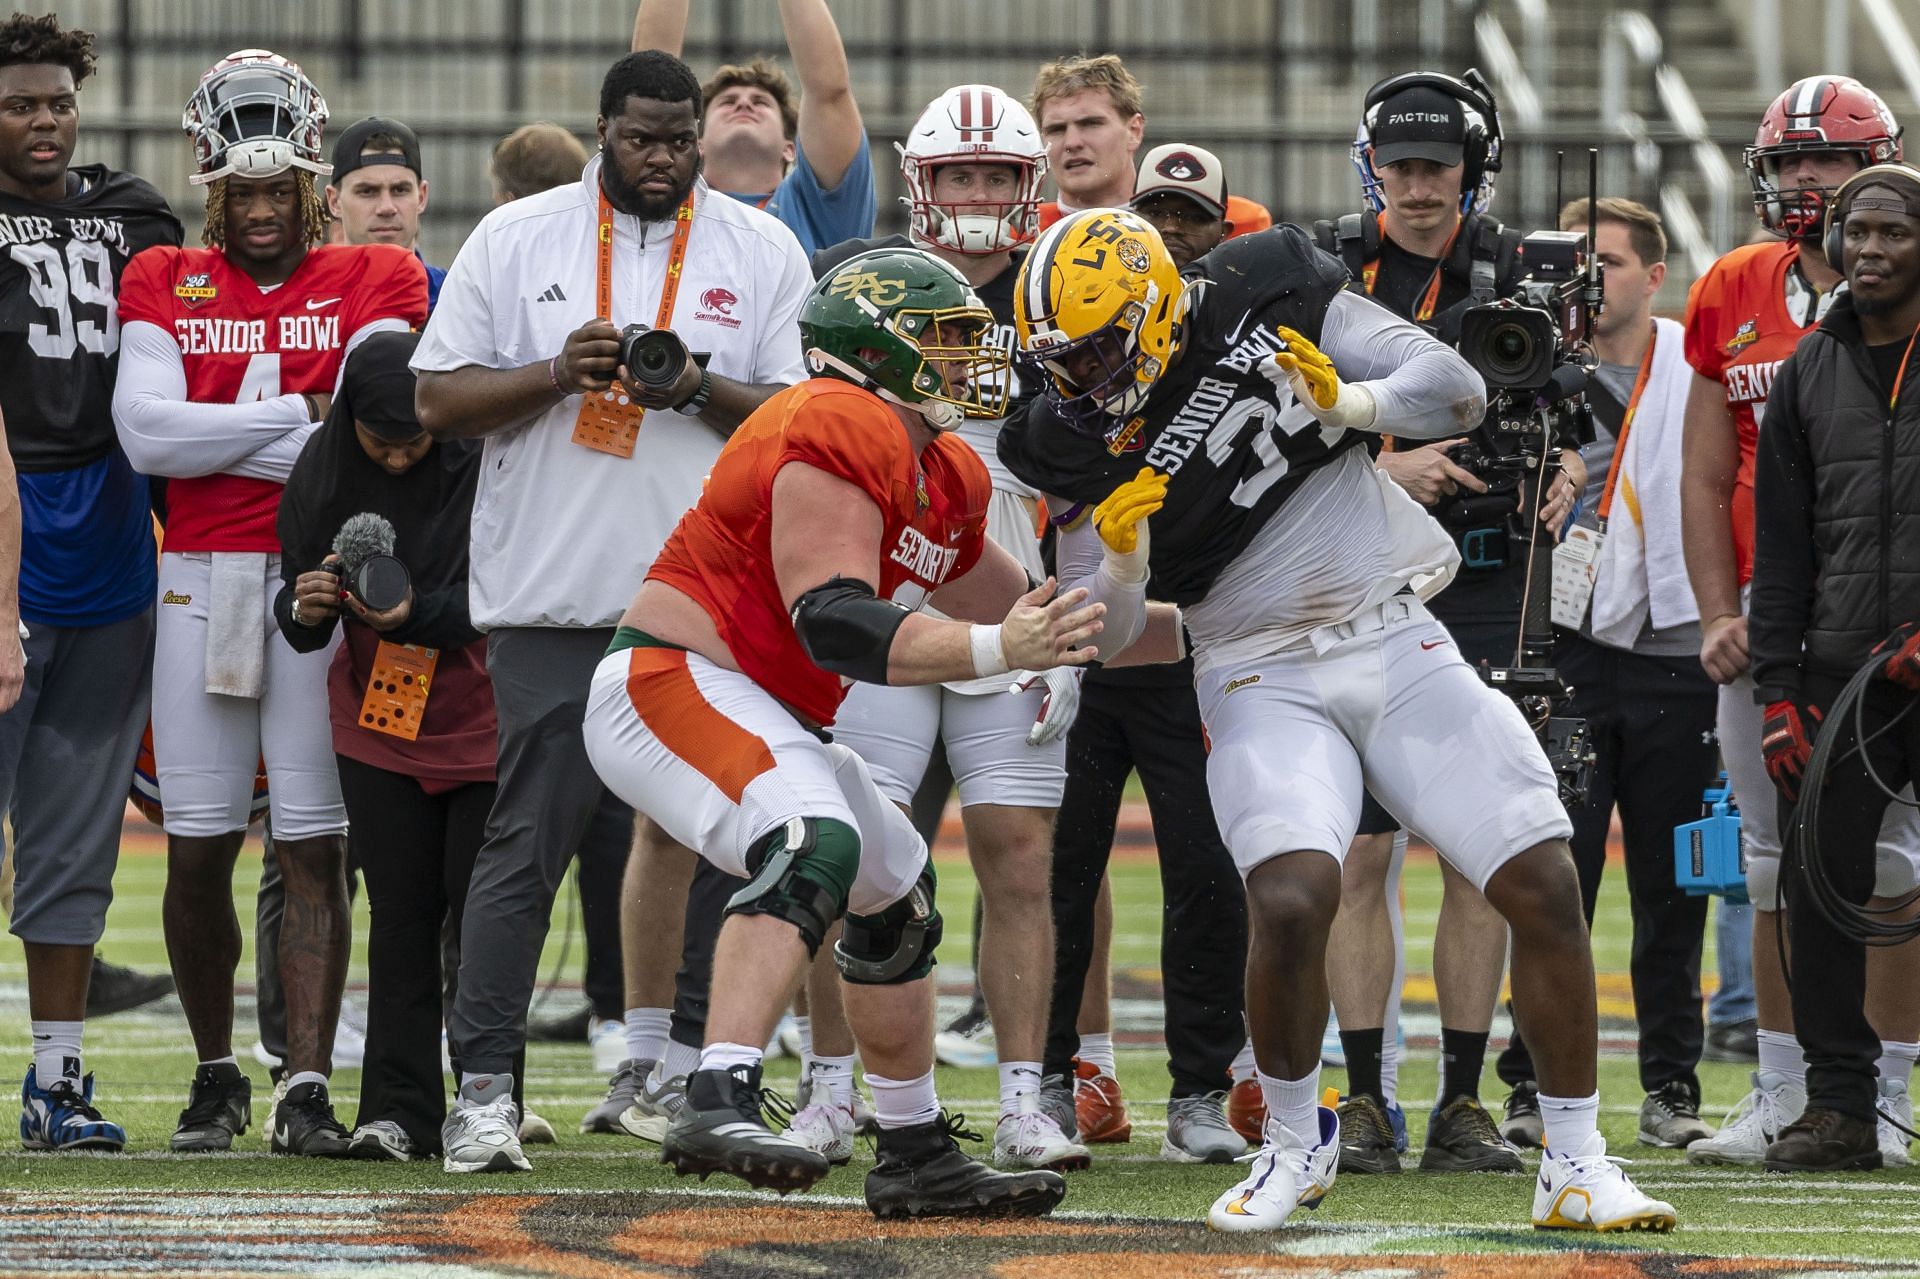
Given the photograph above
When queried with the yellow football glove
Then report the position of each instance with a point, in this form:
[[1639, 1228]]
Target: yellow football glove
[[1121, 522], [1306, 369]]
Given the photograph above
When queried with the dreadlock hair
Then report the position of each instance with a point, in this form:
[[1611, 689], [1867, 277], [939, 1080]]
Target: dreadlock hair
[[313, 212], [30, 41]]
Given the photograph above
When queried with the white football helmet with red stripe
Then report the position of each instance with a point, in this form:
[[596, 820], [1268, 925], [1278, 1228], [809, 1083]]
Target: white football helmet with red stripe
[[255, 114], [1819, 113], [973, 124]]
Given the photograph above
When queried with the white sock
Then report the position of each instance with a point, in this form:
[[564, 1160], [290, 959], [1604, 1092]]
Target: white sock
[[1569, 1121], [1243, 1068], [835, 1074], [805, 1026], [1390, 1065], [1097, 1050], [1294, 1102], [306, 1077], [56, 1052], [1896, 1060], [725, 1056], [1019, 1086], [904, 1103], [647, 1033], [681, 1059], [228, 1060], [1780, 1053]]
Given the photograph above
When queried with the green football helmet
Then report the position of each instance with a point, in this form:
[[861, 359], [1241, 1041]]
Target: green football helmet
[[876, 322]]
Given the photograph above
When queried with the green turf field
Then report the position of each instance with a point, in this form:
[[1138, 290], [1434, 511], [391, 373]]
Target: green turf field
[[602, 1205]]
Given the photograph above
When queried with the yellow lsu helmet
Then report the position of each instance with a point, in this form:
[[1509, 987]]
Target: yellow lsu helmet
[[1097, 311]]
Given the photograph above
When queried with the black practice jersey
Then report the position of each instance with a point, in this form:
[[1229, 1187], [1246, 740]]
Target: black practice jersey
[[1234, 440], [60, 315]]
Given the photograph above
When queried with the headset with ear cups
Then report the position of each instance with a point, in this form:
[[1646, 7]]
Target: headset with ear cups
[[1481, 144], [1833, 239]]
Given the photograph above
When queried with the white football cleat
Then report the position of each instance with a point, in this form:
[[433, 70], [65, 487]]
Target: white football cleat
[[1898, 1102], [1586, 1190], [1286, 1174], [825, 1129], [1033, 1139], [1753, 1125]]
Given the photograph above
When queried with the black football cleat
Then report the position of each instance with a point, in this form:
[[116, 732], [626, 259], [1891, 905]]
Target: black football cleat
[[112, 989], [303, 1124], [720, 1130], [921, 1172], [219, 1108]]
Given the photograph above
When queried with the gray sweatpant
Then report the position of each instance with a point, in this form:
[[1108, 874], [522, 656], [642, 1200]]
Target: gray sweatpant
[[66, 759], [547, 794]]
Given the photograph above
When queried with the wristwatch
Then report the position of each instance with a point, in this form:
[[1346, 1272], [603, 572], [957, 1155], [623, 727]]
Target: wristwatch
[[695, 403], [294, 612]]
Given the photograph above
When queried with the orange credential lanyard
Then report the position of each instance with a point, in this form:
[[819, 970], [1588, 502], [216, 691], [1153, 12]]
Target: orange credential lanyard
[[1626, 424], [1431, 299], [1900, 379]]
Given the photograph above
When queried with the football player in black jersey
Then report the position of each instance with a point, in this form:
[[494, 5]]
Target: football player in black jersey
[[1247, 388], [87, 580]]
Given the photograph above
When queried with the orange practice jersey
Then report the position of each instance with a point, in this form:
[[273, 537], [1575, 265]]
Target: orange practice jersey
[[934, 516], [1246, 215]]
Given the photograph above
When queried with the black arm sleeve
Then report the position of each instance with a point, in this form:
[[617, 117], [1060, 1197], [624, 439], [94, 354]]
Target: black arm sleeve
[[1783, 555], [847, 629], [440, 619]]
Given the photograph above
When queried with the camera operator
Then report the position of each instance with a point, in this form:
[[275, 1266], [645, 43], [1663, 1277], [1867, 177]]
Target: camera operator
[[1427, 151], [1836, 491]]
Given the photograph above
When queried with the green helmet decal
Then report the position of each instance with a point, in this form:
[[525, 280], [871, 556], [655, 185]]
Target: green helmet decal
[[875, 321]]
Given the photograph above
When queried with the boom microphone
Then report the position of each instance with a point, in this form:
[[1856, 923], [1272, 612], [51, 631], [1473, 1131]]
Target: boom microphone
[[365, 547], [1564, 383]]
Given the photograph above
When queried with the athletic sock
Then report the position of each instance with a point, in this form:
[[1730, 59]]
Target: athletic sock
[[904, 1103], [1242, 1068], [1363, 1062], [228, 1060], [1569, 1121], [725, 1056], [647, 1033], [1097, 1050], [306, 1077], [1462, 1055], [1391, 1051], [681, 1059], [835, 1074], [1896, 1060], [56, 1053], [1294, 1102], [1019, 1086], [1780, 1053]]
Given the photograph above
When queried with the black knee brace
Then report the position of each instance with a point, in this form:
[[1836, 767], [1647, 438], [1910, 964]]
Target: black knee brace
[[895, 946], [802, 874]]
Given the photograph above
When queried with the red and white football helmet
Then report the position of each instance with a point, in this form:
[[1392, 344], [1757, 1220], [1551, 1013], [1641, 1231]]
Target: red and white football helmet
[[1819, 113], [973, 124], [255, 114]]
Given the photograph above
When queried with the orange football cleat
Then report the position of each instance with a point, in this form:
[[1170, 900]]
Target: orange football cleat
[[1099, 1109]]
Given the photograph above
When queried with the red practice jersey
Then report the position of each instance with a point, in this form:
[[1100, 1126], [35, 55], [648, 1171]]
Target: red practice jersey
[[240, 343], [934, 515], [1739, 331]]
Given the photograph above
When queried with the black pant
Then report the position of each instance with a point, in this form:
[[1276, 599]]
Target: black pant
[[1123, 726], [416, 851], [1650, 720], [602, 863], [1830, 970]]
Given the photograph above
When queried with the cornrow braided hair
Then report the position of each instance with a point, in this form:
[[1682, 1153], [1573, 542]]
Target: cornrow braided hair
[[313, 212]]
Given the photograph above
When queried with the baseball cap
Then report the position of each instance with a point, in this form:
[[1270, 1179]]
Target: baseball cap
[[1419, 123], [350, 152], [1184, 169]]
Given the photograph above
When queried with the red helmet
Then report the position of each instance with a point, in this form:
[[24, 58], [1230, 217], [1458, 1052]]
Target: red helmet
[[1819, 113]]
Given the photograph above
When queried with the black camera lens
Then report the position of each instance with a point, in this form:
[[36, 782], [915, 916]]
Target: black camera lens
[[381, 583], [654, 357], [1509, 349]]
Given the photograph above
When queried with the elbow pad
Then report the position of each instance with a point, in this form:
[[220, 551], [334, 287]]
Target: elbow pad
[[847, 629]]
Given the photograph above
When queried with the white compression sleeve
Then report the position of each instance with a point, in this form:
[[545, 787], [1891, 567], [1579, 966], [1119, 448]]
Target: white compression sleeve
[[164, 433], [1421, 388]]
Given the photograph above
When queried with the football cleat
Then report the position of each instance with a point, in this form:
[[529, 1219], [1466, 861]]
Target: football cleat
[[825, 1129], [622, 1091], [1100, 1112], [1670, 1117], [720, 1129], [60, 1117], [1461, 1138], [653, 1108], [219, 1108], [1058, 1104], [1897, 1102], [1285, 1174], [482, 1131], [1366, 1137], [1247, 1109], [1522, 1125], [1754, 1124], [113, 989], [967, 1041], [865, 1122], [304, 1124], [381, 1140], [1032, 1139], [1587, 1190], [920, 1172], [1198, 1132]]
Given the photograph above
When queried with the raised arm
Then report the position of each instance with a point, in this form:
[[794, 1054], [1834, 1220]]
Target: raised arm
[[660, 24], [830, 131], [166, 434]]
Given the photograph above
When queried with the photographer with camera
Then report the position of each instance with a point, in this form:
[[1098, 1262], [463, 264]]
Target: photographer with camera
[[1427, 151]]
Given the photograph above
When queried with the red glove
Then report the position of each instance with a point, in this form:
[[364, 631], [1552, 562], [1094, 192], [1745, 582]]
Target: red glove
[[1902, 649], [1787, 745]]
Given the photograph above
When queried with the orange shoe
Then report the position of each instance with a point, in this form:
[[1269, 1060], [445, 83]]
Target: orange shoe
[[1247, 1110], [1099, 1109]]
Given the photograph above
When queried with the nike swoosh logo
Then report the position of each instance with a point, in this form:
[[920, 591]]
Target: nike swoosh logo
[[315, 305], [1234, 337], [1429, 646]]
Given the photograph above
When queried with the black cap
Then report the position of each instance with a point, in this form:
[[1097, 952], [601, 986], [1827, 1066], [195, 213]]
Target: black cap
[[377, 389], [1418, 123], [350, 152]]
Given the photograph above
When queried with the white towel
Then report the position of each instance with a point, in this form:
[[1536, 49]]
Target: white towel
[[1642, 570], [237, 624]]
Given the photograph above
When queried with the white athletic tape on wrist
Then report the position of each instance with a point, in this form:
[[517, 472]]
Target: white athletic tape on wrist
[[988, 657]]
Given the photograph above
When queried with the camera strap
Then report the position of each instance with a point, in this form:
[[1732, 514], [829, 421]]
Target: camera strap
[[609, 421]]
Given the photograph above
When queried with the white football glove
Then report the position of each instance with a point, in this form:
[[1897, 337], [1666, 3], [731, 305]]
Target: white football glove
[[1058, 708]]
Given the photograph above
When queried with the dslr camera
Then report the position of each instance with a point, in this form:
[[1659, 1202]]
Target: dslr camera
[[655, 358]]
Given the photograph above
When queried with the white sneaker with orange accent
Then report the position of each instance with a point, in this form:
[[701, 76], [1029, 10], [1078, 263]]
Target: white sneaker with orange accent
[[1286, 1174], [1586, 1190]]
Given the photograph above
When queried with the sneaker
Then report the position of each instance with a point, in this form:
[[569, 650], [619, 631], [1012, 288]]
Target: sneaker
[[61, 1118], [1197, 1132], [608, 1039], [1031, 1139], [1732, 1041], [381, 1140], [654, 1107], [1366, 1138], [1584, 1189], [1060, 1103], [1897, 1102], [278, 1095], [1753, 1125], [865, 1122], [1522, 1126], [967, 1041], [482, 1131], [1286, 1174], [1332, 1052], [536, 1131], [1397, 1121], [920, 1172], [219, 1108], [825, 1129], [1823, 1140], [350, 1037], [303, 1124], [562, 1028], [1099, 1110], [622, 1091], [720, 1129], [1670, 1117], [113, 989], [1461, 1138], [1247, 1109]]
